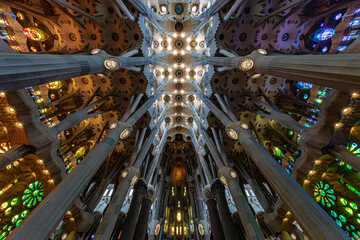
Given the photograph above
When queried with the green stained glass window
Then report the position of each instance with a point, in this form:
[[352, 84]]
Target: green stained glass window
[[24, 213], [18, 222], [324, 195], [353, 206], [338, 222], [333, 214], [4, 206], [3, 235], [15, 218], [342, 218], [278, 153], [33, 195], [14, 201], [349, 210], [343, 201], [8, 211]]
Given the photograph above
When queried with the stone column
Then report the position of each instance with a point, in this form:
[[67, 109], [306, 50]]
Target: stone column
[[140, 190], [128, 177], [14, 154], [43, 220], [207, 229], [24, 70], [218, 190], [313, 219], [192, 203], [338, 71], [163, 210], [141, 225], [228, 176], [216, 227]]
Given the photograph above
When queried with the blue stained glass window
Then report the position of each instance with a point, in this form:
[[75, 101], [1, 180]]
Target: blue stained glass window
[[342, 48], [303, 85], [323, 34], [338, 16]]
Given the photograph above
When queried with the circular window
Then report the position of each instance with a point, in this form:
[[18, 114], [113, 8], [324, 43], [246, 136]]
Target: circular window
[[179, 73], [193, 43], [179, 27], [178, 59], [285, 37], [122, 80], [165, 44], [179, 9], [72, 37], [179, 119], [272, 81], [179, 44], [178, 98], [242, 37]]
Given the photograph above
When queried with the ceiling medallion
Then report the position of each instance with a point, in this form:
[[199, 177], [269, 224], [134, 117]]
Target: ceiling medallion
[[178, 98], [178, 59], [166, 98], [193, 43], [179, 44], [179, 119], [179, 9], [164, 44], [179, 73]]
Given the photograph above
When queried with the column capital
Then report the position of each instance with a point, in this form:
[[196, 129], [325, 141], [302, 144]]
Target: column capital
[[151, 193], [123, 128], [130, 174], [247, 63], [140, 187], [234, 129], [227, 174], [152, 226], [206, 227], [217, 187], [207, 194]]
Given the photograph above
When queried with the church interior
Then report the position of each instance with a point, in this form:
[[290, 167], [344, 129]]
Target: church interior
[[180, 119]]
